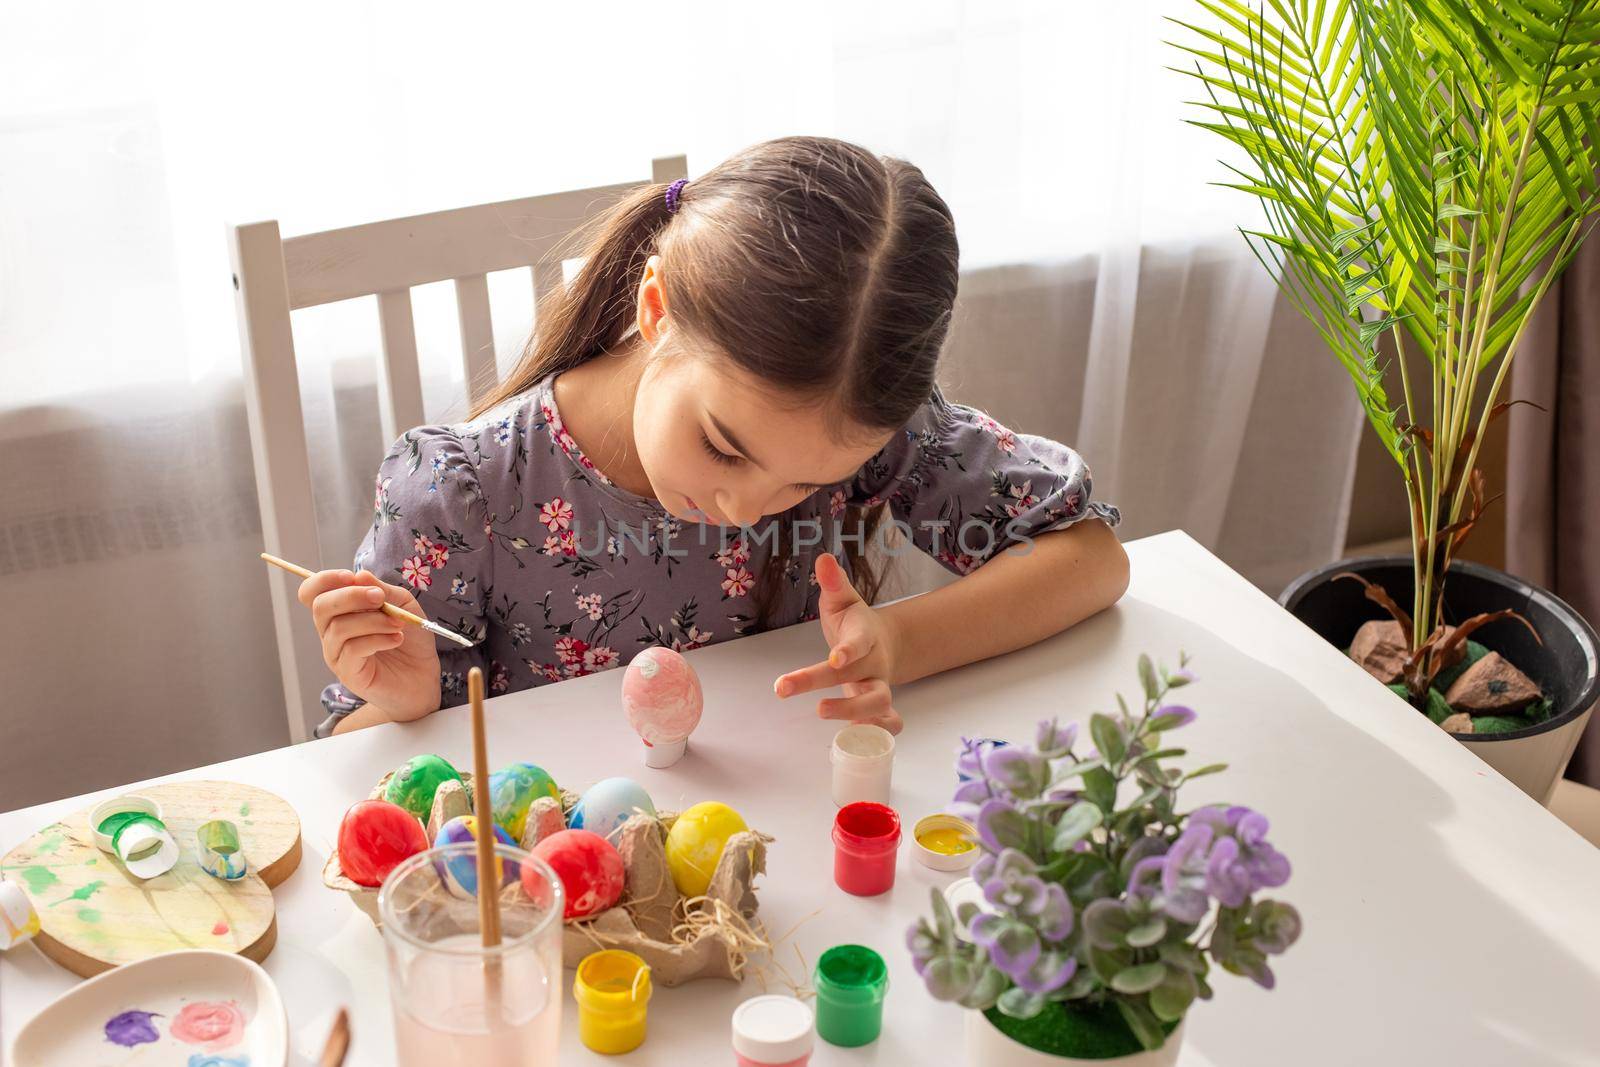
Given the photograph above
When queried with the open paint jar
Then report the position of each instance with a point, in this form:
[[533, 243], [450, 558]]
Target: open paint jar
[[863, 762], [945, 843], [772, 1031], [851, 981], [130, 828], [612, 989], [866, 837]]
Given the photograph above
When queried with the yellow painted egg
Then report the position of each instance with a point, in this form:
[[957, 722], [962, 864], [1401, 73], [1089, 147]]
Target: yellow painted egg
[[695, 843]]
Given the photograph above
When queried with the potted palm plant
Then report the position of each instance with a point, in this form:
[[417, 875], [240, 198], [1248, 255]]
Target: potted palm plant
[[1100, 908], [1427, 169]]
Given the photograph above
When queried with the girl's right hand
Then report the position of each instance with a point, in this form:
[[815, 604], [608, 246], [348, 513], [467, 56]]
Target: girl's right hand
[[386, 662]]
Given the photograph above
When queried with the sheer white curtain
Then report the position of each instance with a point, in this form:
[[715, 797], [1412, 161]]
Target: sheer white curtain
[[1107, 299]]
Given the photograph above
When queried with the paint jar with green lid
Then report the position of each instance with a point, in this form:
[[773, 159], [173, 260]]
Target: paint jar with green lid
[[851, 981]]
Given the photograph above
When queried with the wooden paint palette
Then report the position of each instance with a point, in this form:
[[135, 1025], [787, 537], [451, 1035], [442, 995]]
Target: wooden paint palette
[[94, 915]]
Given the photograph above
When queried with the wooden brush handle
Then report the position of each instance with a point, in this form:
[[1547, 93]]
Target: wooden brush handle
[[387, 608]]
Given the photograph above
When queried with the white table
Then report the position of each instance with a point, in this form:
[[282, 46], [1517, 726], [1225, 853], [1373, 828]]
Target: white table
[[1448, 918]]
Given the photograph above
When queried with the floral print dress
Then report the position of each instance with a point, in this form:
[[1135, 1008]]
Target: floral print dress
[[505, 531]]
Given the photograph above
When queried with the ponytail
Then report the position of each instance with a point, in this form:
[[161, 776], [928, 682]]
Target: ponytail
[[576, 322]]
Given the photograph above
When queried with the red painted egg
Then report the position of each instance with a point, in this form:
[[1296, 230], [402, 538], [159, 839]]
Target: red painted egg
[[590, 869], [374, 837]]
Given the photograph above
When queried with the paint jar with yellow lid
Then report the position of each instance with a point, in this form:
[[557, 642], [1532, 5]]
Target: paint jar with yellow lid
[[612, 989]]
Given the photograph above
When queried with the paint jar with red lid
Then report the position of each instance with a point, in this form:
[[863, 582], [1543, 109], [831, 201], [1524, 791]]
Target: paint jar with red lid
[[866, 839]]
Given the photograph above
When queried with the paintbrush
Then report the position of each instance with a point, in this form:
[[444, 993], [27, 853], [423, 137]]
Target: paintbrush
[[488, 863], [388, 609], [338, 1043]]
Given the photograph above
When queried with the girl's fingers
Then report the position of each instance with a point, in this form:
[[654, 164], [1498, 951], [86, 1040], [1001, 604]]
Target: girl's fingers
[[335, 604], [872, 704], [359, 649], [397, 595], [347, 628], [836, 592], [816, 676], [322, 582]]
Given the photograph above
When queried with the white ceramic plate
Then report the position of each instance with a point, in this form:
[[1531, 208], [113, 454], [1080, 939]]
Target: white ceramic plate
[[214, 1007]]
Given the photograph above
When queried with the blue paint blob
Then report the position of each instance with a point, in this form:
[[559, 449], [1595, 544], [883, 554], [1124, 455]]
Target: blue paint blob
[[131, 1028], [200, 1059]]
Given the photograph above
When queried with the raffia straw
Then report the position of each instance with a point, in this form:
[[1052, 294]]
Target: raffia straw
[[488, 866]]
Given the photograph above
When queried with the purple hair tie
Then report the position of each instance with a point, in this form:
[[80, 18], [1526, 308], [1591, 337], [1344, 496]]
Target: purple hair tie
[[675, 195]]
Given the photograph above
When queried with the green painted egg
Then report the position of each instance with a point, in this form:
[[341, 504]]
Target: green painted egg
[[412, 786]]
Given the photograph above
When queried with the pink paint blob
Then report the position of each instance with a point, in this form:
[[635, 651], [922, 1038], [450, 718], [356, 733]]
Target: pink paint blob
[[219, 929], [215, 1024], [661, 694]]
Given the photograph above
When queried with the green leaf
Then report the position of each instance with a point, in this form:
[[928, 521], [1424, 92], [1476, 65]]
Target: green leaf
[[1107, 737], [1148, 932], [1075, 824], [1140, 978], [1170, 999], [1100, 787], [1107, 962], [1210, 768], [1142, 1023], [1147, 677], [1072, 770]]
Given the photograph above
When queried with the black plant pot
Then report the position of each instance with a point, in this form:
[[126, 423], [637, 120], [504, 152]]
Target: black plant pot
[[1566, 666]]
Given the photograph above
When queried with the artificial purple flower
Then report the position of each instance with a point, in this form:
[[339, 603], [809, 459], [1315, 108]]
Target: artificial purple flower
[[1144, 880], [1183, 873], [1226, 877], [1018, 771], [1054, 918], [1054, 741], [1049, 973], [1013, 946], [1172, 716], [1001, 826], [1267, 866], [1015, 884]]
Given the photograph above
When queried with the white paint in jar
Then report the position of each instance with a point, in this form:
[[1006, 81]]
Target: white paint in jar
[[863, 763]]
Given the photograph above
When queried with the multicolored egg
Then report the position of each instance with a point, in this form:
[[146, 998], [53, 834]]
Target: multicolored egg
[[608, 804], [460, 874], [512, 789], [695, 844], [416, 780], [590, 869], [375, 836], [662, 696]]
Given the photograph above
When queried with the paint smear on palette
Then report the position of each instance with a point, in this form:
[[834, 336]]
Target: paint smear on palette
[[39, 878], [219, 930], [216, 1024], [200, 1059], [131, 1028]]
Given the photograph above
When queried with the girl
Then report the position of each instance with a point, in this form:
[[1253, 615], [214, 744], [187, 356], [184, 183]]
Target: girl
[[738, 384]]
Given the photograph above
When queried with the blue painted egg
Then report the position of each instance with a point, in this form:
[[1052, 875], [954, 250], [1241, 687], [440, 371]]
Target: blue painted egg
[[460, 874], [608, 804]]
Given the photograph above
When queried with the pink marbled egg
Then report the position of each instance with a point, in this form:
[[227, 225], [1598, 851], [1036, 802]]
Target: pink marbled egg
[[661, 694]]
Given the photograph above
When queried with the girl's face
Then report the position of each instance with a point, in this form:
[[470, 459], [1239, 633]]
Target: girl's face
[[716, 448]]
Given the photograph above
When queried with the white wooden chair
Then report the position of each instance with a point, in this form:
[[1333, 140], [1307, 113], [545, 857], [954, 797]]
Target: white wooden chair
[[274, 276]]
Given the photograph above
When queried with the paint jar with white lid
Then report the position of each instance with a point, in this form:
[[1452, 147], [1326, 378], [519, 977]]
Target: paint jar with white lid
[[863, 763], [773, 1031]]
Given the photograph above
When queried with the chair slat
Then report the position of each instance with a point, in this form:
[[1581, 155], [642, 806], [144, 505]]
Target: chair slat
[[282, 462], [399, 377], [477, 334]]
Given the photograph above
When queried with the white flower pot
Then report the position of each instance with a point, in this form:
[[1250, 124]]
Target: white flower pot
[[988, 1047]]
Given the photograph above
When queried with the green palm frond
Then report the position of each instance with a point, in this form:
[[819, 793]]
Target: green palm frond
[[1427, 168]]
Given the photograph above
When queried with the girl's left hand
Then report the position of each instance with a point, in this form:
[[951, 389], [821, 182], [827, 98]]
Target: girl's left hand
[[860, 658]]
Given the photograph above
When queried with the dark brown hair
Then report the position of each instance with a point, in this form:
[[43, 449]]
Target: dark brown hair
[[812, 264]]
